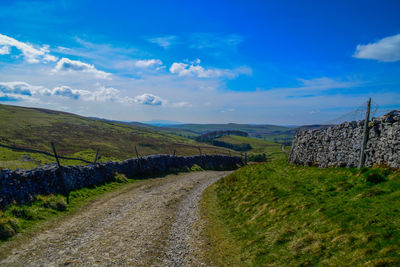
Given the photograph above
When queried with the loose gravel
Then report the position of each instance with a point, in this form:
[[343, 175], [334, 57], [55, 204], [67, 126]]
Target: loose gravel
[[150, 224]]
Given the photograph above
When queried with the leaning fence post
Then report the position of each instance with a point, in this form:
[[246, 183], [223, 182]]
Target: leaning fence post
[[96, 157], [137, 154], [174, 153], [245, 158], [200, 151], [365, 136], [55, 154], [67, 190]]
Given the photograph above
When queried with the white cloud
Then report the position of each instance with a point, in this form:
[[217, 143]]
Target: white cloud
[[194, 69], [385, 50], [146, 63], [149, 99], [163, 41], [31, 54], [69, 65]]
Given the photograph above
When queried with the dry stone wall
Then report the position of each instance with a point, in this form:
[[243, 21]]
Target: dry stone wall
[[23, 185], [340, 145]]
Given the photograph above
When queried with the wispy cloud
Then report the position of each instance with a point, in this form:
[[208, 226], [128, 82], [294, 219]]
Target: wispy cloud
[[182, 104], [213, 40], [30, 53], [164, 41], [385, 50], [195, 70], [69, 65]]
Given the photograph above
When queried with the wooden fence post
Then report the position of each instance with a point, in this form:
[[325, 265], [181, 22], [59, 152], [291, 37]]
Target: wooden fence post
[[200, 151], [174, 153], [96, 157], [245, 158], [365, 136], [55, 154]]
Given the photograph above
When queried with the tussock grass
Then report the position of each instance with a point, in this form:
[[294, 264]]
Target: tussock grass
[[277, 214]]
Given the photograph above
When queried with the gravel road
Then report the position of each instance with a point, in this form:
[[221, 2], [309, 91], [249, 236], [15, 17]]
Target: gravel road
[[146, 224]]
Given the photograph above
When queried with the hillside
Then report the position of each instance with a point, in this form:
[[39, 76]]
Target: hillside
[[80, 136], [273, 133]]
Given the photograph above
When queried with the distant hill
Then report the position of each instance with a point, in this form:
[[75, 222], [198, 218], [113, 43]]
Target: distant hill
[[80, 136], [272, 133], [162, 123]]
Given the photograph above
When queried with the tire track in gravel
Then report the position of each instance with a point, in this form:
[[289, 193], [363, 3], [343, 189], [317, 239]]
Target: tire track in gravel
[[146, 225]]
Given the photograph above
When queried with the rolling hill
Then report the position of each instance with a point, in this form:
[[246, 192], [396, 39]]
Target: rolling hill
[[80, 136], [272, 133]]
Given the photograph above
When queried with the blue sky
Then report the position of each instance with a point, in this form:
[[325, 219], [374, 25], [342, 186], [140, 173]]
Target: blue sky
[[276, 62]]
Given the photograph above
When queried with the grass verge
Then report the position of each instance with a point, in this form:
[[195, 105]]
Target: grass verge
[[277, 214]]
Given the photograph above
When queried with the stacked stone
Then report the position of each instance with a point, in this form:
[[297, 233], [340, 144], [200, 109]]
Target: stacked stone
[[340, 145], [23, 185]]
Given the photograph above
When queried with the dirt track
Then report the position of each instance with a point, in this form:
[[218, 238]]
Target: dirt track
[[146, 225]]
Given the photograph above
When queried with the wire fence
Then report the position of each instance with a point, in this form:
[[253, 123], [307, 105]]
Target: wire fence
[[358, 113]]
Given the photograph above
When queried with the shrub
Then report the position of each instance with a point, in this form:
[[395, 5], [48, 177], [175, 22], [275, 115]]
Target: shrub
[[258, 158], [120, 177], [8, 228], [196, 168]]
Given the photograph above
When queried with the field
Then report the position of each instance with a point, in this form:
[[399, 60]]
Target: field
[[258, 146], [278, 214], [79, 136], [272, 133]]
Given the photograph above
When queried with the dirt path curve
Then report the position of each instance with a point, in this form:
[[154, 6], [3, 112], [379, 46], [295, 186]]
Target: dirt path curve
[[146, 225]]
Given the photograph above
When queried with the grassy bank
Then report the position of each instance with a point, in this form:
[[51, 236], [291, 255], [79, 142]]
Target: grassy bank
[[276, 214], [24, 219]]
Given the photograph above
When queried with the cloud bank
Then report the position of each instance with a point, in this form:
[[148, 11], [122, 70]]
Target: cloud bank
[[25, 91]]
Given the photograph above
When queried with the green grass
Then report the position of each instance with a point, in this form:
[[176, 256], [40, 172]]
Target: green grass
[[27, 218], [277, 214], [77, 136], [258, 146]]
